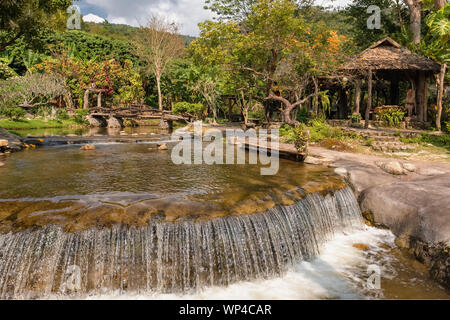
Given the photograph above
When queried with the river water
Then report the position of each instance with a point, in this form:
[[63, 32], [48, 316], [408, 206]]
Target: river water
[[123, 221]]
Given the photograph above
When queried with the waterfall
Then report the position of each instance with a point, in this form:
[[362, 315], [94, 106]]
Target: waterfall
[[171, 257]]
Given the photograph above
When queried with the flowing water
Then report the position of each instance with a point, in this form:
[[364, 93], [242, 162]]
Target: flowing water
[[123, 221]]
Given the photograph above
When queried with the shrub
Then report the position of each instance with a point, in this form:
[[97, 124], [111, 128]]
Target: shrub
[[79, 116], [62, 114], [195, 109], [301, 138], [320, 130], [14, 112], [391, 116], [5, 71]]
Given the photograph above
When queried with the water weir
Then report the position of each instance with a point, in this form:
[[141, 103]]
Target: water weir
[[171, 257]]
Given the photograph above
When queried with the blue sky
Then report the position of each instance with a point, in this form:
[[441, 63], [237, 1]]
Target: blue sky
[[186, 13]]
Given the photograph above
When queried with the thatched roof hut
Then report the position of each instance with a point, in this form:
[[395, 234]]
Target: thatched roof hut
[[388, 60], [387, 54]]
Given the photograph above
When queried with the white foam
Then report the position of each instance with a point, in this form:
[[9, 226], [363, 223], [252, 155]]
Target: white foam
[[339, 272]]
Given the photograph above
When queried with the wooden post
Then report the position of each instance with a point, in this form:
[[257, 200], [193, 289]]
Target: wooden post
[[369, 99], [420, 97], [440, 79], [357, 96], [86, 99], [99, 99]]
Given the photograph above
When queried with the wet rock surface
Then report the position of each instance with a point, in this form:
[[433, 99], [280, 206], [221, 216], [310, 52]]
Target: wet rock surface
[[412, 199], [9, 142]]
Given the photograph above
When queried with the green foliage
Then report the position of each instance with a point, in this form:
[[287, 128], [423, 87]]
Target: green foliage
[[391, 116], [35, 124], [196, 109], [122, 83], [302, 115], [300, 139], [27, 18], [355, 118], [31, 90], [13, 112], [442, 141], [394, 16], [6, 72], [319, 130], [61, 114], [79, 116]]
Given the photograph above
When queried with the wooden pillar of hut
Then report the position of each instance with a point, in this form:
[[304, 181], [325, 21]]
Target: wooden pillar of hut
[[421, 103], [343, 104], [357, 96], [369, 99]]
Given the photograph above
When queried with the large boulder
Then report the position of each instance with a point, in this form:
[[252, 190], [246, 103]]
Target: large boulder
[[418, 213], [114, 122], [417, 208], [9, 141]]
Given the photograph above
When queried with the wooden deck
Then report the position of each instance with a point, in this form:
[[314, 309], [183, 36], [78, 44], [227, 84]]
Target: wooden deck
[[285, 150]]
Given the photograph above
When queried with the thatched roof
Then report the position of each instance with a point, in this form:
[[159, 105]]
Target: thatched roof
[[387, 54]]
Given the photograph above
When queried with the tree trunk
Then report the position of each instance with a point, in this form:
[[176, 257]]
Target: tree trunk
[[158, 84], [316, 96], [369, 100], [439, 4], [440, 95], [415, 9]]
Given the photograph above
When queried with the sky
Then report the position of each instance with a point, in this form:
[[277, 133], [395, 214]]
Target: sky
[[186, 13]]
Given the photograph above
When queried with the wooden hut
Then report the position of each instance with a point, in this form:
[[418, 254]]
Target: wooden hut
[[387, 60]]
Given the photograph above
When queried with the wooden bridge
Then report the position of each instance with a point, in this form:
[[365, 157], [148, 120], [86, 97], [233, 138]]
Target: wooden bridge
[[115, 116]]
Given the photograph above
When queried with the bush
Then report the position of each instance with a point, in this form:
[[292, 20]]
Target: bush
[[62, 114], [5, 71], [79, 116], [14, 112], [391, 116], [300, 139], [195, 109], [320, 130]]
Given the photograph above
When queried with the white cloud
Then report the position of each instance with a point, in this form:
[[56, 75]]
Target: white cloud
[[93, 18], [186, 13]]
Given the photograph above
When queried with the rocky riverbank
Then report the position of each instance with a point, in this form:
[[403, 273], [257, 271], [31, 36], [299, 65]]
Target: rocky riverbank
[[9, 142], [412, 199]]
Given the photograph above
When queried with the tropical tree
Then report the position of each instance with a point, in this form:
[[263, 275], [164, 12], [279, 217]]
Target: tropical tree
[[157, 44], [27, 18]]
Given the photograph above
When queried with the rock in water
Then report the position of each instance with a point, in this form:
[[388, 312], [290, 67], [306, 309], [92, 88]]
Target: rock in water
[[13, 142], [88, 147], [163, 147], [392, 167]]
